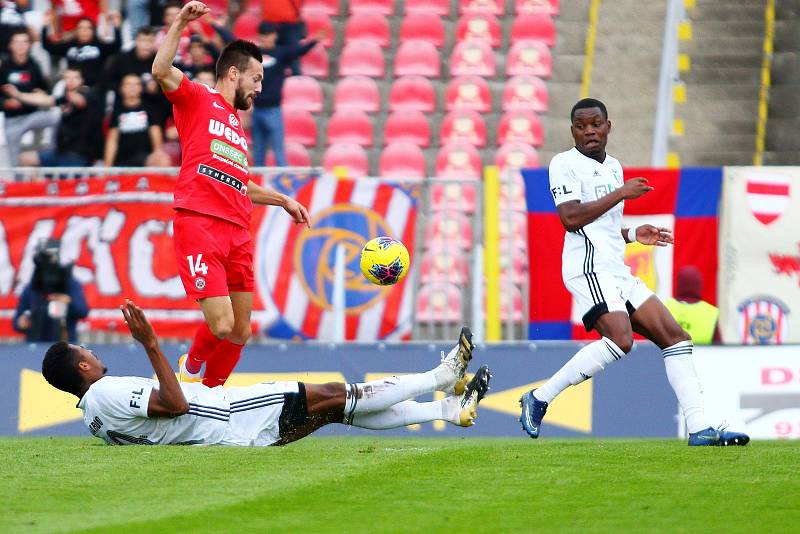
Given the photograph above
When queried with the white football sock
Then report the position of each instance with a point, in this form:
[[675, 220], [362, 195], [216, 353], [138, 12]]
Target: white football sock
[[586, 363], [381, 394], [408, 413], [683, 379]]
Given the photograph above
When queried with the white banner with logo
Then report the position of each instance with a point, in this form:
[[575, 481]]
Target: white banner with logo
[[759, 256], [754, 389]]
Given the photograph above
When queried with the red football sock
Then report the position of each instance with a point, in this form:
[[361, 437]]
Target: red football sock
[[204, 345], [220, 366]]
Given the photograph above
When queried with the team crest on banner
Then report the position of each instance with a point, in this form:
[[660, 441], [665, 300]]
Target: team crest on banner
[[295, 265], [767, 195], [763, 321]]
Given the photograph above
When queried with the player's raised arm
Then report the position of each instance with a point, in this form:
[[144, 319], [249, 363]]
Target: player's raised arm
[[576, 214], [168, 76]]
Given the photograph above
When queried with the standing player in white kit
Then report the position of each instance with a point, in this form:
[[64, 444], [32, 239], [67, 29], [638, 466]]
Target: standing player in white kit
[[589, 193]]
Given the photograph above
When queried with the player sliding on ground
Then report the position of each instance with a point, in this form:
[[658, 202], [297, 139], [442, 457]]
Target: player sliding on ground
[[141, 411], [589, 193]]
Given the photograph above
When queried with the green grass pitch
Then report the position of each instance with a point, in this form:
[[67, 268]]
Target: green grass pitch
[[375, 484]]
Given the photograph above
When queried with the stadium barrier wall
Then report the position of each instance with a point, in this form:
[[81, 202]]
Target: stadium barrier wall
[[632, 399]]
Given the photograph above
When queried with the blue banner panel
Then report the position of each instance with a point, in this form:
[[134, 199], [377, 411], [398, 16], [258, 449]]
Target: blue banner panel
[[631, 398]]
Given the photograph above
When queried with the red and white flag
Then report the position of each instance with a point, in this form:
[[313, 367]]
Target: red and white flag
[[767, 195]]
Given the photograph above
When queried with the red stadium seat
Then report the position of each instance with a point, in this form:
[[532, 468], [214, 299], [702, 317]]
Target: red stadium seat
[[329, 7], [370, 26], [351, 157], [493, 7], [459, 160], [319, 20], [412, 93], [383, 7], [468, 92], [511, 303], [521, 126], [534, 27], [513, 230], [452, 196], [422, 27], [357, 92], [296, 156], [246, 25], [299, 127], [525, 93], [529, 58], [439, 303], [407, 126], [303, 93], [444, 265], [402, 160], [516, 156], [439, 8], [472, 58], [465, 126], [551, 7], [482, 27], [448, 229], [514, 267], [361, 58], [417, 58], [315, 63], [350, 127]]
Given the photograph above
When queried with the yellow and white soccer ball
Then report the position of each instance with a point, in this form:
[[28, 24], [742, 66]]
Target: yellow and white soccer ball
[[384, 261]]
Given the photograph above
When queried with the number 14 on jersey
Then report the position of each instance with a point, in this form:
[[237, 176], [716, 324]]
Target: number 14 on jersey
[[197, 265]]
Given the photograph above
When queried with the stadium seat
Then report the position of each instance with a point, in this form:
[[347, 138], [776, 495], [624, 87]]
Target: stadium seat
[[468, 92], [465, 126], [516, 155], [368, 26], [551, 7], [296, 156], [361, 58], [447, 264], [459, 160], [349, 127], [422, 27], [521, 126], [448, 229], [299, 127], [439, 8], [351, 157], [493, 7], [407, 126], [452, 196], [246, 24], [511, 309], [383, 7], [530, 58], [513, 230], [315, 63], [439, 303], [303, 93], [416, 58], [534, 27], [472, 58], [329, 7], [319, 20], [412, 93], [512, 195], [483, 27], [525, 93], [357, 92], [514, 267], [402, 160]]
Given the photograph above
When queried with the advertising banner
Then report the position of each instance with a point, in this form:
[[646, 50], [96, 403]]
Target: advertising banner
[[759, 275], [756, 389]]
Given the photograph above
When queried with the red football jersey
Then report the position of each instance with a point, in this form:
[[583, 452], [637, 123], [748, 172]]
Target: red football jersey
[[214, 174]]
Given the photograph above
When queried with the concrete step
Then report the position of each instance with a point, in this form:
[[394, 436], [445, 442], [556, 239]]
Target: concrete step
[[709, 74], [701, 143], [749, 28], [722, 92], [739, 60], [568, 68], [717, 108], [786, 38], [791, 157], [785, 68], [570, 39], [572, 11], [784, 101], [695, 126], [728, 13], [715, 158], [721, 44], [787, 9], [778, 138]]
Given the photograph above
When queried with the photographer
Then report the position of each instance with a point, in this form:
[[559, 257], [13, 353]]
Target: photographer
[[52, 303]]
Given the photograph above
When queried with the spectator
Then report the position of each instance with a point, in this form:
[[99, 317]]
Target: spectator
[[267, 116], [138, 60], [21, 74], [171, 11], [52, 303], [11, 20], [138, 12], [206, 77], [201, 54], [69, 13], [84, 50], [73, 147], [285, 15], [696, 316], [134, 132]]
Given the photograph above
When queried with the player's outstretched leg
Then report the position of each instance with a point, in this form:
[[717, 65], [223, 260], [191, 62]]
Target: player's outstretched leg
[[533, 411], [717, 437], [456, 362]]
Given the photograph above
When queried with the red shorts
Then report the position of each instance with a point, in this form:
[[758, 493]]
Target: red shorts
[[214, 256]]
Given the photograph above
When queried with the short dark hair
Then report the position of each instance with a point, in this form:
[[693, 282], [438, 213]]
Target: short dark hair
[[237, 54], [174, 3], [145, 30], [588, 103], [60, 367]]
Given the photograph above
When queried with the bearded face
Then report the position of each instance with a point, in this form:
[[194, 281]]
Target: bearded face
[[241, 99]]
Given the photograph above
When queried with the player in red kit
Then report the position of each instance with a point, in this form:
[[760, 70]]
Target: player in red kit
[[214, 197]]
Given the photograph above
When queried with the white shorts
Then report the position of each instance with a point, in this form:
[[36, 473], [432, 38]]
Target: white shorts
[[256, 413], [596, 294]]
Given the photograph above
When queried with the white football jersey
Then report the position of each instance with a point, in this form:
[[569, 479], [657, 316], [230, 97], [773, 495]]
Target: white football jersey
[[598, 246], [115, 410]]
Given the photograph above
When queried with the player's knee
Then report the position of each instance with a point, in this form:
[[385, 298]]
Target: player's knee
[[624, 342], [221, 327], [240, 334]]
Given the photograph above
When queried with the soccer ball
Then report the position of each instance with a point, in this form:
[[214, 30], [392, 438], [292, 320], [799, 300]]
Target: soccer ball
[[384, 261]]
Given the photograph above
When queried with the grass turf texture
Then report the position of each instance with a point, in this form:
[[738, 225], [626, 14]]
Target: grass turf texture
[[378, 484]]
